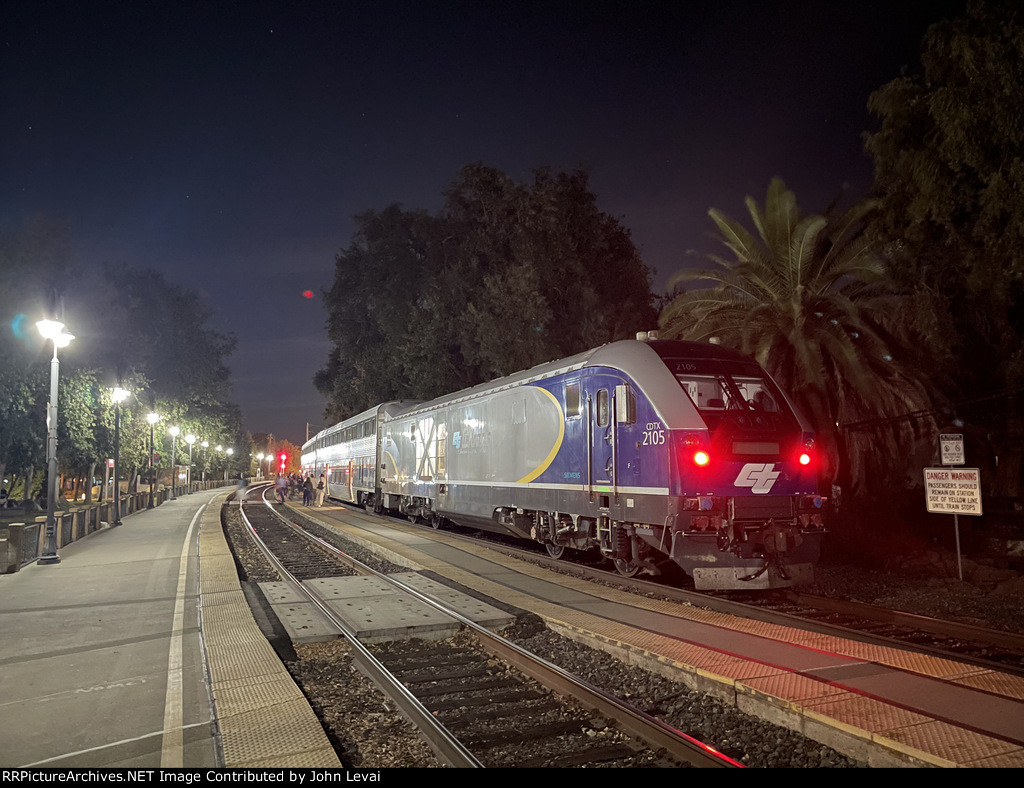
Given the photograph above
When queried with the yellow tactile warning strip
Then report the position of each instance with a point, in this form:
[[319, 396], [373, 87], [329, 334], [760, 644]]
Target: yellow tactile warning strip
[[861, 727], [265, 721]]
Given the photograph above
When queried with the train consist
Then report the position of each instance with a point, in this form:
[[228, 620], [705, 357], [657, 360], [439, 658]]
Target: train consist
[[650, 451]]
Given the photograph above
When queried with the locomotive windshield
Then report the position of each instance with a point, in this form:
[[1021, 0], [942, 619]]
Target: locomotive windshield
[[728, 392], [717, 386]]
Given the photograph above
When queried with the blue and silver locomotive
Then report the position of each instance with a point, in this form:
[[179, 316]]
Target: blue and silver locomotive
[[649, 451]]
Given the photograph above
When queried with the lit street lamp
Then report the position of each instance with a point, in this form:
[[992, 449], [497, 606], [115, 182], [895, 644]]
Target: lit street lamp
[[175, 431], [205, 445], [152, 418], [54, 331], [119, 395], [259, 466]]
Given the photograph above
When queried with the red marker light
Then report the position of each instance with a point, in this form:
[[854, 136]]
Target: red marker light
[[307, 293], [701, 458], [805, 459]]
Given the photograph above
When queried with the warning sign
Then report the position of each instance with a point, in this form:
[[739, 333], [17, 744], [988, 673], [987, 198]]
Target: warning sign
[[952, 449], [953, 490]]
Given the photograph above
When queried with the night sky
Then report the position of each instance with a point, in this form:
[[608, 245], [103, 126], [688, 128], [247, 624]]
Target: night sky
[[228, 145]]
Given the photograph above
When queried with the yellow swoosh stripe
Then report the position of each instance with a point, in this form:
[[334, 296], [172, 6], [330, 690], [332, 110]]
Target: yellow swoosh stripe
[[558, 443]]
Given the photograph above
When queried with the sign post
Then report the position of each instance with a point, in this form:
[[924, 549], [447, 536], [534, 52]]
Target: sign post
[[952, 490]]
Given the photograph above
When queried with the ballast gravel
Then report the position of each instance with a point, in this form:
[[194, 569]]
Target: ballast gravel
[[368, 733]]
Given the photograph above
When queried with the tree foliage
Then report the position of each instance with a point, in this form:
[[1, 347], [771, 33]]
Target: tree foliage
[[505, 276], [811, 300], [132, 329], [949, 171]]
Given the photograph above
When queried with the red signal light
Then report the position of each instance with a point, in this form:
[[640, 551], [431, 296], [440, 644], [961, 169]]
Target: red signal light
[[806, 455], [693, 447]]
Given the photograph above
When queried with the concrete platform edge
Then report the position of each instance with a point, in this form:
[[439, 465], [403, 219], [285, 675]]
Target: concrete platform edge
[[255, 699]]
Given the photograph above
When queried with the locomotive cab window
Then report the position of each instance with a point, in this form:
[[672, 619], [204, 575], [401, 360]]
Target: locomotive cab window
[[729, 392], [572, 399], [602, 408], [625, 405]]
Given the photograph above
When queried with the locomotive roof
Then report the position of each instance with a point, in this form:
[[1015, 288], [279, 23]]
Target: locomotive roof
[[642, 361], [667, 348]]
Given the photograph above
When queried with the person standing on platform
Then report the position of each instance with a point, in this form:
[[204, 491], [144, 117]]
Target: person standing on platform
[[307, 491], [321, 490], [281, 486]]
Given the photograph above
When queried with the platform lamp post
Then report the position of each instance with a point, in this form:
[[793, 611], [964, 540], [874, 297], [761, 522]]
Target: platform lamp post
[[189, 439], [54, 331], [259, 466], [205, 445], [119, 395], [152, 418], [175, 432], [227, 469]]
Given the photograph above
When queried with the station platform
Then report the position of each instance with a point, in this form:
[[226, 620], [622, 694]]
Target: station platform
[[885, 707], [138, 650]]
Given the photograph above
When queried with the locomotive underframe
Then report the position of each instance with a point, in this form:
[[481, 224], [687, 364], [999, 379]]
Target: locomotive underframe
[[722, 543]]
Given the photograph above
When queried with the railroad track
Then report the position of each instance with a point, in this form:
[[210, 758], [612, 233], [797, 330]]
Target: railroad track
[[478, 699], [968, 643]]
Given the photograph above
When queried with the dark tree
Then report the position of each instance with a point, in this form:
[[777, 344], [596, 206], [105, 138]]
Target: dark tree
[[949, 171], [132, 328], [811, 299], [506, 276]]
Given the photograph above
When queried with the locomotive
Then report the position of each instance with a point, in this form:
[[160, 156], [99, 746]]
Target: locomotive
[[653, 452]]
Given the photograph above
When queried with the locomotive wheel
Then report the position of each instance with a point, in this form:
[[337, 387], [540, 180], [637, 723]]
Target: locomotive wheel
[[556, 551], [626, 568], [436, 522]]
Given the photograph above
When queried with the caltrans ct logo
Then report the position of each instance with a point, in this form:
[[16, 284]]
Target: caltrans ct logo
[[758, 476]]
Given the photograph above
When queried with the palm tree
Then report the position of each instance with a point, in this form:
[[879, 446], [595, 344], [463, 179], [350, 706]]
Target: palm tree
[[812, 301]]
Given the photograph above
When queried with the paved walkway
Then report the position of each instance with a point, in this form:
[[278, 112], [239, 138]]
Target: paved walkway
[[101, 659]]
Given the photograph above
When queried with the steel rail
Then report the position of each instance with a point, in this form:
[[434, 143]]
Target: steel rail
[[734, 607], [651, 731], [447, 748], [863, 610], [936, 626]]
